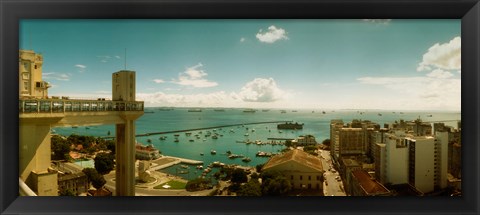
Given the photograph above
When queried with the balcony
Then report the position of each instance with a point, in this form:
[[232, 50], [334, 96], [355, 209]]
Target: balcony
[[27, 106]]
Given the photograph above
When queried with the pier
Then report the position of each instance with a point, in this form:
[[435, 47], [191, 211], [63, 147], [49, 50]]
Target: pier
[[277, 138], [198, 129], [168, 161]]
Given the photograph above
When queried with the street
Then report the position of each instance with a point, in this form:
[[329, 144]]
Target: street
[[331, 186]]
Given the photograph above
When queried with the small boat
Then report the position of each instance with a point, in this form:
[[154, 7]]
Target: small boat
[[247, 134], [176, 140], [213, 152], [199, 167], [201, 154], [283, 111], [214, 137], [184, 166], [246, 159], [87, 128], [249, 111], [191, 140], [183, 172], [149, 140], [163, 138], [176, 135]]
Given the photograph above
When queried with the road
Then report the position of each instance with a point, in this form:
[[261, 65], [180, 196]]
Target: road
[[331, 187]]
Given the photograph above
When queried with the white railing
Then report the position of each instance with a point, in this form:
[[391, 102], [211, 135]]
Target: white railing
[[24, 189]]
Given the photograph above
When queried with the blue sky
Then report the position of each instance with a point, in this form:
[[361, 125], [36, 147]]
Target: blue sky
[[315, 64]]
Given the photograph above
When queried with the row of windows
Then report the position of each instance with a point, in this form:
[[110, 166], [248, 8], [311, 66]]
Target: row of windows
[[301, 177]]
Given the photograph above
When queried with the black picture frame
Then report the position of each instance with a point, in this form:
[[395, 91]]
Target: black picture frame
[[13, 10]]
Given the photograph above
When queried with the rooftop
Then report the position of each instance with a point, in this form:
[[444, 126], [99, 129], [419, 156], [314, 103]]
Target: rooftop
[[298, 156], [368, 184]]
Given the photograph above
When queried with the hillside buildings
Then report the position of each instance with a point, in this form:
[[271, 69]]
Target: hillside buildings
[[401, 153]]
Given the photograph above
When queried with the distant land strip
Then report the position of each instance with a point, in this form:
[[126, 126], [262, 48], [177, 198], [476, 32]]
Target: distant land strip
[[197, 129]]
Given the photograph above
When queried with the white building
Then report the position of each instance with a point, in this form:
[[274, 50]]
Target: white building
[[421, 162], [441, 158]]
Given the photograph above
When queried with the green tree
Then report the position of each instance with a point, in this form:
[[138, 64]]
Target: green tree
[[275, 184], [259, 167], [66, 192], [94, 177], [197, 184], [252, 188], [326, 142], [110, 145], [60, 148], [239, 176], [104, 163]]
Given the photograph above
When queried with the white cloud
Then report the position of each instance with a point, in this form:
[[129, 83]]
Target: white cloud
[[194, 77], [438, 73], [261, 90], [80, 66], [242, 39], [219, 98], [445, 56], [378, 21], [56, 76], [158, 81], [436, 90], [272, 35]]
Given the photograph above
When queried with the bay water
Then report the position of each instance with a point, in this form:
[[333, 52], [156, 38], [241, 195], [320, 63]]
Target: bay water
[[316, 123]]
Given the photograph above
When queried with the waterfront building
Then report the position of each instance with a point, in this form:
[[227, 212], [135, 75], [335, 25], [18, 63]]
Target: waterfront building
[[304, 171], [306, 140], [147, 152]]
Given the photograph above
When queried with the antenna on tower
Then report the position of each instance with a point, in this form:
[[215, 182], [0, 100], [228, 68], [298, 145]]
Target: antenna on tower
[[125, 59]]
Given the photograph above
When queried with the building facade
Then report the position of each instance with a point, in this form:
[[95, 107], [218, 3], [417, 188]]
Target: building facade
[[75, 182], [31, 84], [304, 171]]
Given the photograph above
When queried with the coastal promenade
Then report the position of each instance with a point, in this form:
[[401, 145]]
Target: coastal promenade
[[167, 161]]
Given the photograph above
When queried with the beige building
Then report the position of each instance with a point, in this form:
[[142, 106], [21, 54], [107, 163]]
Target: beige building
[[304, 171], [76, 182], [38, 114], [31, 84], [352, 141]]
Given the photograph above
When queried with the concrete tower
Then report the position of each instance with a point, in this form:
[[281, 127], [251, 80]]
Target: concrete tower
[[123, 90]]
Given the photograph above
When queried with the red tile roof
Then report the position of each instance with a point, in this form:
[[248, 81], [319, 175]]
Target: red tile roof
[[298, 156], [369, 185]]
